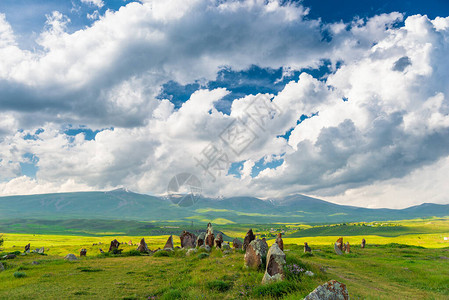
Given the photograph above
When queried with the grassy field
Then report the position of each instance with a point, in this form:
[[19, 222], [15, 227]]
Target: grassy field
[[406, 266]]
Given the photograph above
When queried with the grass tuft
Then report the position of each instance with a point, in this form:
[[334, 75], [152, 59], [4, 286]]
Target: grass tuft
[[20, 274]]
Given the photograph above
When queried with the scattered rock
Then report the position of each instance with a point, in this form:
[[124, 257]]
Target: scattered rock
[[219, 240], [2, 268], [41, 250], [35, 263], [309, 273], [101, 251], [27, 248], [338, 246], [347, 248], [225, 246], [206, 247], [237, 244], [70, 257], [114, 245], [169, 243], [187, 239], [9, 256], [83, 252], [279, 241], [331, 290], [248, 239], [191, 251], [255, 252], [143, 247], [363, 243], [275, 264], [307, 249], [130, 243], [210, 238], [200, 239]]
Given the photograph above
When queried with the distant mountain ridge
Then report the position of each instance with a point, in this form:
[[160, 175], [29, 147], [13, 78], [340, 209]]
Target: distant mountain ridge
[[126, 205]]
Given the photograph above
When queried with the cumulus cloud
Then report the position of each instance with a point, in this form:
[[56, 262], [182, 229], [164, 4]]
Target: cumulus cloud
[[381, 117]]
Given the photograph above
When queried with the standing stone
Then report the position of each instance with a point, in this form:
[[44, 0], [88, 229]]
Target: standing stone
[[219, 240], [200, 239], [114, 245], [27, 248], [307, 249], [340, 243], [130, 243], [143, 247], [70, 257], [169, 244], [331, 290], [188, 239], [264, 247], [275, 265], [255, 252], [210, 229], [338, 246], [101, 251], [279, 241], [41, 250], [83, 252], [210, 238], [363, 243], [248, 239], [237, 244], [347, 248], [337, 249]]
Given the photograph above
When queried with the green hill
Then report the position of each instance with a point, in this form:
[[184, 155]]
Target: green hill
[[125, 205]]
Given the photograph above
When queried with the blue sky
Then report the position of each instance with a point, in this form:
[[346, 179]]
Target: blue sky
[[130, 93]]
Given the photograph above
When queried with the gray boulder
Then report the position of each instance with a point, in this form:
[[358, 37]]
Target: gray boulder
[[70, 257], [225, 246], [206, 247], [275, 264], [331, 290]]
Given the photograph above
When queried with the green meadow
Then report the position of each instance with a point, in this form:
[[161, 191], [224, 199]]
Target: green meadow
[[402, 260]]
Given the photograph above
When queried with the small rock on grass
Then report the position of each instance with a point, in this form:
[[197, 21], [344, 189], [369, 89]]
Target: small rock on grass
[[70, 257], [331, 290]]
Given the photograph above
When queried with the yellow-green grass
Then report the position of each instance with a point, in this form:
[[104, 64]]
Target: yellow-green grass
[[387, 272], [423, 240], [62, 245]]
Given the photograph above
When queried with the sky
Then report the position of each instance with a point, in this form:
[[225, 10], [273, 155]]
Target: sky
[[347, 102]]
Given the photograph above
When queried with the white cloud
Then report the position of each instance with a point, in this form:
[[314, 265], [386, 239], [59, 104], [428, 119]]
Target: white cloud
[[97, 3], [394, 124]]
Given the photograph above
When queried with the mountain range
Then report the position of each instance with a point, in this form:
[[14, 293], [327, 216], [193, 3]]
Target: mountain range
[[122, 204]]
